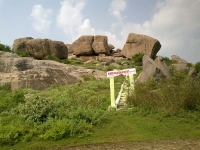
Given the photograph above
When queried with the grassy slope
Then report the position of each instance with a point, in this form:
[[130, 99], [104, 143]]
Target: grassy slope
[[136, 124]]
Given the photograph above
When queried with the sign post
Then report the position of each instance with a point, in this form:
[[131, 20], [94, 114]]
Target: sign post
[[112, 74]]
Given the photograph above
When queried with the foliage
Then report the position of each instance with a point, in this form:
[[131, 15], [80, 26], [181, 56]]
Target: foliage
[[137, 58], [5, 48], [22, 54], [197, 67], [167, 61], [167, 97]]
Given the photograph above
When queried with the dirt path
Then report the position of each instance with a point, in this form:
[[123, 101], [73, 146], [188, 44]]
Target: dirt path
[[163, 145]]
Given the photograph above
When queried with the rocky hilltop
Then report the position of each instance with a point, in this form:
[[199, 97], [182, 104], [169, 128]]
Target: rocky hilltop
[[26, 72]]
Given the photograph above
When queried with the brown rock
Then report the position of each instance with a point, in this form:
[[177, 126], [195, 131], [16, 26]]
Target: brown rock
[[40, 48], [178, 60], [23, 72], [83, 45], [100, 45], [137, 43], [111, 47], [69, 47], [150, 70], [20, 44], [162, 66]]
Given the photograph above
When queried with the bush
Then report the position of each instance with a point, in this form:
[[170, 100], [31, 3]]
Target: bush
[[197, 67], [137, 58], [5, 48], [37, 108], [170, 97], [22, 54]]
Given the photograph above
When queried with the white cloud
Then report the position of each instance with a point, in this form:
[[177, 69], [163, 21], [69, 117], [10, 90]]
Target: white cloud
[[70, 16], [41, 18], [116, 7], [176, 25]]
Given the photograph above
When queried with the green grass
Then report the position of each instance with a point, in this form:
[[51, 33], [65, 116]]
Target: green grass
[[73, 115], [126, 126]]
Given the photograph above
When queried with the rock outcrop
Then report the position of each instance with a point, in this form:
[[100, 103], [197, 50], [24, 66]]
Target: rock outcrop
[[40, 48], [26, 72], [137, 43], [180, 64], [156, 70]]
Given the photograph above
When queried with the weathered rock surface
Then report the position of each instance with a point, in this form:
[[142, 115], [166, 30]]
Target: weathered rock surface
[[162, 66], [83, 45], [69, 47], [27, 72], [180, 64], [152, 70], [137, 43], [100, 45], [40, 48]]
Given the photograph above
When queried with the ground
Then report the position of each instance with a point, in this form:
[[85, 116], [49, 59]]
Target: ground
[[161, 145]]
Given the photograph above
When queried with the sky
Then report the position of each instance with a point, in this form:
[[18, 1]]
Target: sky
[[175, 23]]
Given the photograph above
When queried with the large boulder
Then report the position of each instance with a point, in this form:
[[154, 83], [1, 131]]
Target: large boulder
[[150, 70], [40, 48], [69, 47], [179, 63], [83, 45], [26, 72], [100, 45], [137, 43]]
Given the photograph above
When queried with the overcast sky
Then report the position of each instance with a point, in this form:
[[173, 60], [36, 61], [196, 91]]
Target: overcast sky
[[175, 23]]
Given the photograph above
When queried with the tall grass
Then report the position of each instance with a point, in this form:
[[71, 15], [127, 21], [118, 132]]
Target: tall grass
[[170, 97]]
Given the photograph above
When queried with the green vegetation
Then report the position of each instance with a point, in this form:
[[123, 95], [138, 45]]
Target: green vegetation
[[197, 67], [77, 114], [22, 54], [5, 48], [137, 58]]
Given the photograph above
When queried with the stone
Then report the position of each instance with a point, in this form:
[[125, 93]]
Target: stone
[[100, 45], [83, 45], [86, 58], [40, 48], [20, 44], [178, 60], [162, 66], [111, 47], [150, 71], [180, 64], [137, 43], [26, 72], [193, 73], [69, 47]]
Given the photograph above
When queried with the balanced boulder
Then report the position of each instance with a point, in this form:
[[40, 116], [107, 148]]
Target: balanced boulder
[[137, 43], [100, 45], [83, 45]]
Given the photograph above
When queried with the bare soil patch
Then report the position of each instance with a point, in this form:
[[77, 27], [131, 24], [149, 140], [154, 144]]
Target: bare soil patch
[[160, 145]]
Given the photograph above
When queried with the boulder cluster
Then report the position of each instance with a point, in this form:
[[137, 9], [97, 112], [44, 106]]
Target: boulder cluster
[[34, 72]]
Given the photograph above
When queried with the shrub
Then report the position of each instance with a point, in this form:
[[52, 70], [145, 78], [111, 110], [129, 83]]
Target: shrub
[[5, 48], [170, 97], [197, 67], [37, 108], [137, 58], [22, 54]]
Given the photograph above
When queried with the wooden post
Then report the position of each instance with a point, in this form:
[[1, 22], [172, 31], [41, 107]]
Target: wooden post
[[131, 79], [112, 92]]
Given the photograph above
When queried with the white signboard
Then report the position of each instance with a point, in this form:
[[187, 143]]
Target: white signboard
[[119, 72]]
